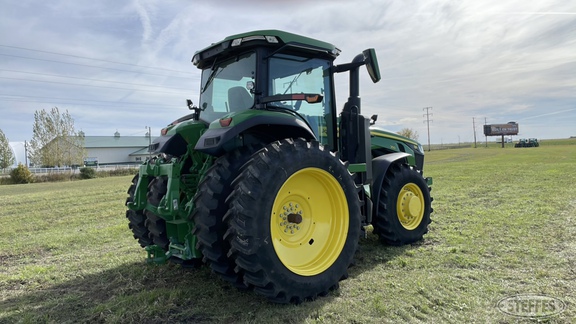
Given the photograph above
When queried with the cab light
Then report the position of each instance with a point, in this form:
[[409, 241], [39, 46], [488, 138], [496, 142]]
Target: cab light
[[310, 98], [225, 122], [251, 38], [314, 99], [239, 41], [272, 39]]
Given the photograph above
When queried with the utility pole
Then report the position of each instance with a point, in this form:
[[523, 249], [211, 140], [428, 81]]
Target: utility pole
[[486, 123], [474, 126], [149, 141], [428, 120], [26, 153]]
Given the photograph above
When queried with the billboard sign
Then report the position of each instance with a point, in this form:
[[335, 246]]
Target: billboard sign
[[501, 129]]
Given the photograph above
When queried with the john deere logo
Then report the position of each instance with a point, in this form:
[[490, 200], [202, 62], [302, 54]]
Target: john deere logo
[[531, 305]]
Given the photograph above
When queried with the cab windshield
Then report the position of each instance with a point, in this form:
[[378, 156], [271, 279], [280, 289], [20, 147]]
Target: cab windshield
[[226, 87], [291, 74]]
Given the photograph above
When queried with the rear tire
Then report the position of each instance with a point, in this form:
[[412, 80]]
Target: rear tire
[[404, 206], [137, 218], [294, 221], [210, 208]]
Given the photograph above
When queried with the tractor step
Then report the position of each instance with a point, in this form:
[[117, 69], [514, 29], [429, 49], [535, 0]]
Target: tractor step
[[156, 255]]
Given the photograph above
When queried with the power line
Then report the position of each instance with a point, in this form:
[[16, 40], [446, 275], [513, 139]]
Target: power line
[[90, 58], [122, 105], [97, 80], [94, 66], [88, 85], [74, 99], [82, 102]]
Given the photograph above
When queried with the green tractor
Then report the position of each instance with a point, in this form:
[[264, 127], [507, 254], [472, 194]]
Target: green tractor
[[266, 182], [530, 142]]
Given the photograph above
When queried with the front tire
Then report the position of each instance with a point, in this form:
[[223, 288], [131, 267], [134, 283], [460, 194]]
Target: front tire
[[404, 206], [294, 221]]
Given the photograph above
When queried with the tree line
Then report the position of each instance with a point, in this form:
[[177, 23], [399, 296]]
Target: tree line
[[55, 142]]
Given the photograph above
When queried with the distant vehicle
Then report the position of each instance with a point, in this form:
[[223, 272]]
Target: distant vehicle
[[91, 161], [506, 140], [530, 142]]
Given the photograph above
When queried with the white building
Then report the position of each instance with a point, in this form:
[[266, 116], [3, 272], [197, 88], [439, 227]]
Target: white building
[[102, 150], [117, 149]]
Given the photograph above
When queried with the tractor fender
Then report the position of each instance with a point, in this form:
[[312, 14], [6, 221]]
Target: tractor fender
[[380, 166], [214, 141], [169, 144], [175, 142]]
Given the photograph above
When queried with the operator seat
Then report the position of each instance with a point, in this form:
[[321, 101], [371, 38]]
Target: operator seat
[[239, 99]]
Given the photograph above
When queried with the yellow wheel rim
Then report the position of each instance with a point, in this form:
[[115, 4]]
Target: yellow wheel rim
[[309, 222], [410, 206]]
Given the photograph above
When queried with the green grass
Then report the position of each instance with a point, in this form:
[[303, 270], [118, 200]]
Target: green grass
[[503, 224]]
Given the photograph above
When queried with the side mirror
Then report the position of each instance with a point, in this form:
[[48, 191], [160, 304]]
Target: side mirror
[[372, 64], [373, 119]]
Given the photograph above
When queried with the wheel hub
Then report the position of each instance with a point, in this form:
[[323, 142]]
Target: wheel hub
[[410, 206], [290, 218]]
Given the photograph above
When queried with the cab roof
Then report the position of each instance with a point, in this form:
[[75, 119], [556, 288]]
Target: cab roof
[[267, 38]]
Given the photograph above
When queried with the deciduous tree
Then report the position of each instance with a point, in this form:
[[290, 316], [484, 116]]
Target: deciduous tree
[[409, 132], [6, 155], [54, 140]]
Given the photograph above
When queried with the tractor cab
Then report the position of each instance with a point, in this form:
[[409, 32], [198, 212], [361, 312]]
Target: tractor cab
[[275, 71], [284, 80]]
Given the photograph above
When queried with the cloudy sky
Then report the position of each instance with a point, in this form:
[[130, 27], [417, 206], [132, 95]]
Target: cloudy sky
[[125, 65]]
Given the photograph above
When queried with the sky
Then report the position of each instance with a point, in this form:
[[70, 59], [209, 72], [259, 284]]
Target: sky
[[126, 65]]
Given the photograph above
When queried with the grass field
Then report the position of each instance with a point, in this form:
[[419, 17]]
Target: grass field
[[504, 223]]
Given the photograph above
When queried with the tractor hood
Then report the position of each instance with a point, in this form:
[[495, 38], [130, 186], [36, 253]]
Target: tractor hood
[[381, 132]]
